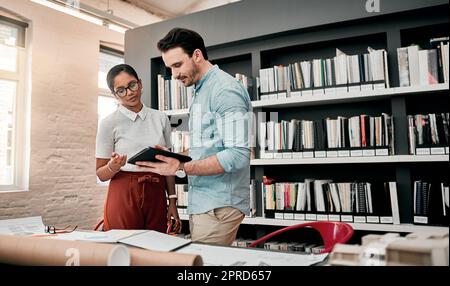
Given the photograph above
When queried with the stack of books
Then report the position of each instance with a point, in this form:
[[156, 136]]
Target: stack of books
[[325, 200], [357, 136], [428, 134], [342, 73]]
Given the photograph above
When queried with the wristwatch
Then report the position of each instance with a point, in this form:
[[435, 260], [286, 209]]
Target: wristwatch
[[180, 173]]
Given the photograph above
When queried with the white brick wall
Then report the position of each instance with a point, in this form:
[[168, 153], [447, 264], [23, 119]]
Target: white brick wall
[[63, 188]]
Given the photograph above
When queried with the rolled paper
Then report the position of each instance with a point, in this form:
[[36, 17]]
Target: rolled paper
[[143, 257], [39, 251]]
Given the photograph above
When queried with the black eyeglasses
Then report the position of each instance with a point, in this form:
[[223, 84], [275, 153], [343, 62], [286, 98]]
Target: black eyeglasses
[[53, 230], [122, 91]]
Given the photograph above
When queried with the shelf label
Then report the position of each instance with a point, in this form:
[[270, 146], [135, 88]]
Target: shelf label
[[308, 154], [289, 216], [421, 219], [299, 216], [347, 218], [320, 154], [356, 153], [322, 217], [287, 155], [386, 219], [359, 219], [343, 153], [373, 219], [297, 155], [267, 155], [278, 155], [334, 217], [273, 96], [366, 87], [282, 95], [342, 89], [296, 93], [379, 86], [319, 91], [381, 152], [330, 91], [354, 88], [311, 217], [438, 151], [369, 153], [332, 154], [279, 216], [307, 92], [423, 151]]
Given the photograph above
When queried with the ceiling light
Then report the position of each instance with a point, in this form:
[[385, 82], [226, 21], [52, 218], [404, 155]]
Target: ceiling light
[[70, 11], [77, 13], [117, 28]]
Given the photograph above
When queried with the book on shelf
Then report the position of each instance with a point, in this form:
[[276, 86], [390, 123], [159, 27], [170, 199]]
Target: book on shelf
[[442, 48], [182, 192], [342, 73], [358, 202], [431, 203], [247, 82], [183, 195], [180, 141], [252, 198], [428, 134], [357, 136], [172, 94], [419, 67]]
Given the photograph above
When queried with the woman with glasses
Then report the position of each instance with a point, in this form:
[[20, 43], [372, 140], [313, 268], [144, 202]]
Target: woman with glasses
[[135, 200]]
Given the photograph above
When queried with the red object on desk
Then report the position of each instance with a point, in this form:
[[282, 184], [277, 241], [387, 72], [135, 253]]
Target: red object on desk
[[331, 232]]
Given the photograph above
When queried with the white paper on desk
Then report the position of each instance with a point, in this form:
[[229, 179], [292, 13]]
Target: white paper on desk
[[111, 236], [213, 255], [22, 226], [157, 241]]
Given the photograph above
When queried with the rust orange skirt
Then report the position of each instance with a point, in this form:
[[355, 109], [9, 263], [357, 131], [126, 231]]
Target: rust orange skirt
[[136, 200]]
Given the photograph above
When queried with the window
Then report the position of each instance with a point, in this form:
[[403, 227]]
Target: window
[[106, 101], [13, 169], [107, 104]]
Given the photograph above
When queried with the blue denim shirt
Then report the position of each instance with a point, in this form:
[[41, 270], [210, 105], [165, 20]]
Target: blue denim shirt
[[220, 124]]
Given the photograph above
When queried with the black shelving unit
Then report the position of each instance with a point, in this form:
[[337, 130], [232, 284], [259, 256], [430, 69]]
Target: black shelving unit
[[263, 43]]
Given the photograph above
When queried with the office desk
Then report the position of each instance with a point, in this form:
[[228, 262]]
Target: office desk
[[213, 255]]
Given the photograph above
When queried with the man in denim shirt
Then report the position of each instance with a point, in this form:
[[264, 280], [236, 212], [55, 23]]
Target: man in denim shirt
[[219, 125]]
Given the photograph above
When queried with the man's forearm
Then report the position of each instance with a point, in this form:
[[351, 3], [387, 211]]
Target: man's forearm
[[206, 167]]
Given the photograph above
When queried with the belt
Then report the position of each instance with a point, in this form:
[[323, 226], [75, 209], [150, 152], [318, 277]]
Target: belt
[[144, 180]]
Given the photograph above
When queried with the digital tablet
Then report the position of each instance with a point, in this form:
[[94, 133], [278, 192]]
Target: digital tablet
[[149, 154]]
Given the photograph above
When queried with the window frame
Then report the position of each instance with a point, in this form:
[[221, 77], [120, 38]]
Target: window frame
[[20, 131], [106, 92]]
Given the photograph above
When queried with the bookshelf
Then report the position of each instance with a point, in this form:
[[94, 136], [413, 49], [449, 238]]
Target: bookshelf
[[238, 47]]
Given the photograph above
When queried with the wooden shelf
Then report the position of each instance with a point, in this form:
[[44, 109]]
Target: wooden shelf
[[353, 160], [356, 226], [348, 96]]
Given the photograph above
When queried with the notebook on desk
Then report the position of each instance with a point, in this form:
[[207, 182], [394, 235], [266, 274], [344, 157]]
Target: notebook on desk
[[156, 241], [147, 239]]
